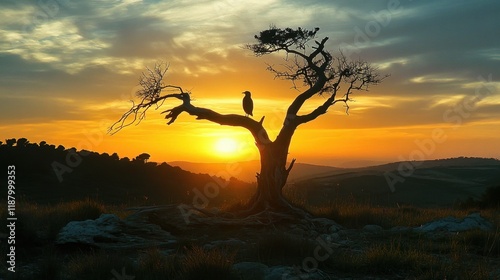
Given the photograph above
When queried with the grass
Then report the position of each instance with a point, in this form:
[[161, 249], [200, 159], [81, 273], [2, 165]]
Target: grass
[[37, 224], [98, 265], [201, 264], [153, 265], [466, 255], [351, 213], [412, 260]]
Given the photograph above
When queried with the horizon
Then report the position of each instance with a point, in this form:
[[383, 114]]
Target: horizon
[[339, 164], [69, 71]]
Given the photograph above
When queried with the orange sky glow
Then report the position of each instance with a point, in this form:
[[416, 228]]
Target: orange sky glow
[[66, 79]]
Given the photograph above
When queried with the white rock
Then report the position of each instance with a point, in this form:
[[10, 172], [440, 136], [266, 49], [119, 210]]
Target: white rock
[[108, 231], [451, 224], [104, 228]]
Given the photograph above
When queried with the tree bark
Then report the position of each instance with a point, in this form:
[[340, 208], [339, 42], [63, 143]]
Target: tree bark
[[273, 176]]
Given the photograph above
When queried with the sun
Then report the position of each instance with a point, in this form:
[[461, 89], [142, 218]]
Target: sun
[[226, 147]]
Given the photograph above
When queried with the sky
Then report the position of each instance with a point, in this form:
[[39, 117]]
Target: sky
[[68, 70]]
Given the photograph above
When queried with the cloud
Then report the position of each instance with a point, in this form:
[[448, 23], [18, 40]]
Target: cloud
[[77, 60]]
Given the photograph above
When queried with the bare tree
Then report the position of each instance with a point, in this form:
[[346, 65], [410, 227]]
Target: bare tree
[[306, 62]]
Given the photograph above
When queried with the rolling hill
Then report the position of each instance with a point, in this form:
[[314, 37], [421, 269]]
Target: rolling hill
[[246, 170], [433, 183]]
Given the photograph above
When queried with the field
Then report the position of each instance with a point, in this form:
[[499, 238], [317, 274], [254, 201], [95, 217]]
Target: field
[[357, 253], [116, 218]]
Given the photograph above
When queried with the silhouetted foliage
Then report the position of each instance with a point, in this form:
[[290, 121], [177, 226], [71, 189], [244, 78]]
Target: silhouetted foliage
[[491, 198], [274, 39], [87, 174], [306, 60], [142, 158]]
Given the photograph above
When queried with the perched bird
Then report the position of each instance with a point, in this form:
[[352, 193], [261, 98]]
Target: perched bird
[[247, 103]]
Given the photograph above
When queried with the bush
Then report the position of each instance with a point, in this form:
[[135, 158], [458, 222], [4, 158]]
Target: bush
[[490, 198]]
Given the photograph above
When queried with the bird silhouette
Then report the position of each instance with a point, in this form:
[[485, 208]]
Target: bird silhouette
[[247, 103]]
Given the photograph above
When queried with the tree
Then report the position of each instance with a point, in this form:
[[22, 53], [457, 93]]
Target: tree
[[143, 158], [306, 62]]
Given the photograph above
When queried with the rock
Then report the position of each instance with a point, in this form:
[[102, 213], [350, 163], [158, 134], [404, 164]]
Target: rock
[[330, 239], [297, 231], [326, 225], [251, 270], [401, 229], [334, 228], [230, 243], [109, 231], [105, 227], [259, 271], [451, 224], [294, 273], [335, 236], [373, 228], [280, 273]]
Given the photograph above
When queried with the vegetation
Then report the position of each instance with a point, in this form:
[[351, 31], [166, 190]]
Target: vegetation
[[39, 224], [461, 256], [313, 71], [66, 174], [468, 255]]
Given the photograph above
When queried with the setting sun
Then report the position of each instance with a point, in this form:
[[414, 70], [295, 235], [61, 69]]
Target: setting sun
[[226, 147]]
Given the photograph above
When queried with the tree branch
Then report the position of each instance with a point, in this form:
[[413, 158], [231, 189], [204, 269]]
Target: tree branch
[[255, 127], [138, 111], [150, 94]]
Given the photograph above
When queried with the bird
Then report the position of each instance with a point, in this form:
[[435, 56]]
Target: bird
[[247, 103]]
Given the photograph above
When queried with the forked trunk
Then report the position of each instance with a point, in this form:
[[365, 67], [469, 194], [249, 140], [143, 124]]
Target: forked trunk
[[271, 179]]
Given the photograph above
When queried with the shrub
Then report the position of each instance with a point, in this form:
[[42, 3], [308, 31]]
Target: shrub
[[490, 198]]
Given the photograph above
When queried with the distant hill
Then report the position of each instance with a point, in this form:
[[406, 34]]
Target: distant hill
[[426, 183], [46, 173], [247, 170]]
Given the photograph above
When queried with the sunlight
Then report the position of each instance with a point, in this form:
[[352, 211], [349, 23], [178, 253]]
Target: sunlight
[[226, 147]]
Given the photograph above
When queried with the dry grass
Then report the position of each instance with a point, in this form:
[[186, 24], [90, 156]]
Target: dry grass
[[98, 265], [37, 224], [466, 255], [202, 264], [352, 213]]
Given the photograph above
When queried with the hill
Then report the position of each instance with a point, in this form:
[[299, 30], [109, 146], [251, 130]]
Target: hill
[[433, 183], [246, 170], [46, 173]]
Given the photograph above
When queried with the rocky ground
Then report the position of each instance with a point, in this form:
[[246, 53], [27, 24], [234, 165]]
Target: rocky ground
[[304, 251]]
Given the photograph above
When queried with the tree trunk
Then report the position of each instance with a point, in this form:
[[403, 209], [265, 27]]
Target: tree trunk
[[271, 179]]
